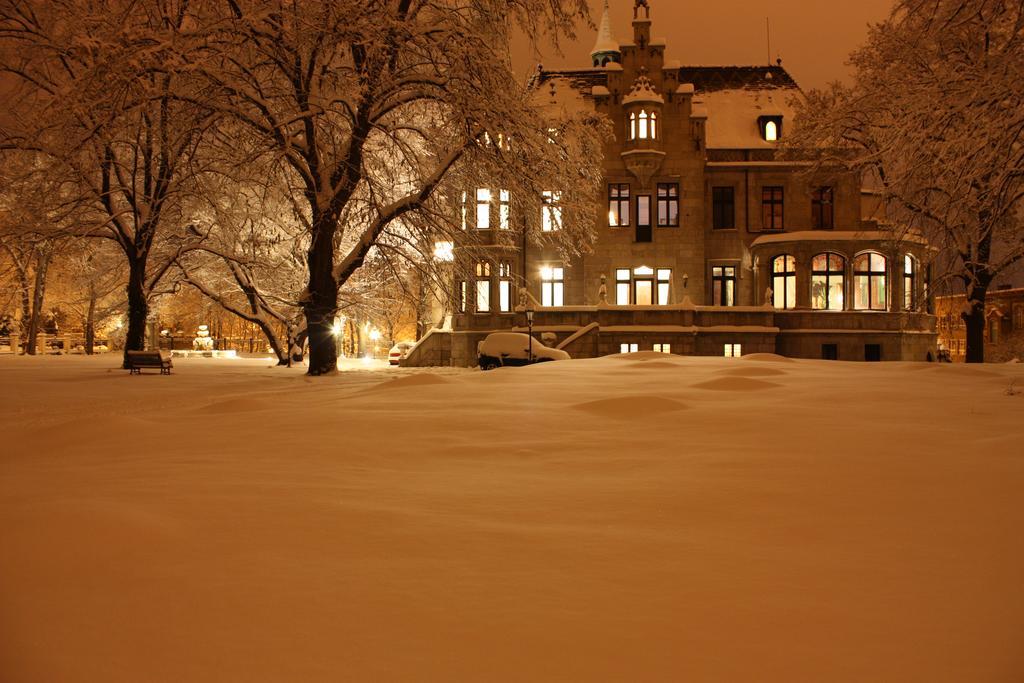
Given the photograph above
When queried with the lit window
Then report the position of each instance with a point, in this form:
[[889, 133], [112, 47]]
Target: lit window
[[632, 126], [663, 348], [504, 287], [643, 130], [503, 210], [668, 205], [463, 296], [629, 348], [654, 126], [771, 208], [618, 205], [622, 287], [444, 252], [552, 286], [483, 209], [784, 281], [771, 127], [551, 211], [664, 285], [464, 210], [723, 286], [828, 279], [909, 283], [733, 350], [869, 282], [483, 296]]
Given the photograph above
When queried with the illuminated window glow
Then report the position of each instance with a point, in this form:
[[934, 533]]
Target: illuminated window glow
[[629, 348], [504, 212], [552, 286], [551, 211], [771, 131], [663, 348], [784, 281], [828, 280], [444, 252], [869, 282], [733, 350], [483, 209]]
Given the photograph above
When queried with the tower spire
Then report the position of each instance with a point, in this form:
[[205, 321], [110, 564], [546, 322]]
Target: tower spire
[[606, 49]]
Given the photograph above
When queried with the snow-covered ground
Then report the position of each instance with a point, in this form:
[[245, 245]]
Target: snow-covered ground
[[637, 518]]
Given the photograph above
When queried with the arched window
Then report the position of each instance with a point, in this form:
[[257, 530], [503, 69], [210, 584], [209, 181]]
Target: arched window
[[771, 131], [644, 132], [909, 282], [784, 281], [632, 126], [654, 126], [828, 278], [869, 282]]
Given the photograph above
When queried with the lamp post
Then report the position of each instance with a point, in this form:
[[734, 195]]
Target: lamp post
[[529, 327]]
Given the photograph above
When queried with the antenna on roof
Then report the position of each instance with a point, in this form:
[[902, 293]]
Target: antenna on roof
[[768, 29]]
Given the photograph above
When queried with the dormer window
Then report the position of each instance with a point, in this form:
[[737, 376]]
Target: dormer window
[[771, 128], [643, 126]]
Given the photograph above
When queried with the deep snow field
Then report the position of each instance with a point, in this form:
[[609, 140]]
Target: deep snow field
[[632, 518]]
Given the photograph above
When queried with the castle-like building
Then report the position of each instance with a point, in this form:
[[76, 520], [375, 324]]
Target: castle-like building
[[707, 242]]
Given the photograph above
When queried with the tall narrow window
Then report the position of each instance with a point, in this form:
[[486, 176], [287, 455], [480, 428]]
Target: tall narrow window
[[483, 209], [552, 286], [909, 283], [723, 286], [771, 208], [551, 211], [664, 286], [463, 295], [869, 282], [618, 205], [784, 281], [483, 287], [668, 205], [504, 287], [821, 209], [654, 126], [643, 286], [464, 210], [622, 287], [643, 218], [632, 126], [723, 204], [504, 211], [643, 128], [828, 279]]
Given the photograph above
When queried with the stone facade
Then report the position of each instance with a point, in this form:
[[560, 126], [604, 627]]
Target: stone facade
[[704, 237]]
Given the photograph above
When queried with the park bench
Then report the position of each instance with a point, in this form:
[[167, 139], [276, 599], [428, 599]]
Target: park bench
[[148, 359]]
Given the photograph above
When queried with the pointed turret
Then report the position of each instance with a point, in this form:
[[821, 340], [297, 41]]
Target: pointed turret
[[606, 49]]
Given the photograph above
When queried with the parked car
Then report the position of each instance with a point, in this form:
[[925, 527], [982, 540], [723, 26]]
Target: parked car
[[513, 348], [400, 351]]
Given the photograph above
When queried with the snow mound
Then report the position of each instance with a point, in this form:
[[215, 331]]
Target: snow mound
[[646, 356], [771, 357], [419, 380], [655, 365], [235, 405], [736, 384], [630, 407], [752, 371]]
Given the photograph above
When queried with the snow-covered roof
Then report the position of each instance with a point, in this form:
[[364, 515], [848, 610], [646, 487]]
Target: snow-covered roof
[[605, 40], [831, 236]]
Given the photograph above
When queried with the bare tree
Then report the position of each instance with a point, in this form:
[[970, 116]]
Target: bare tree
[[370, 108], [934, 119], [101, 93]]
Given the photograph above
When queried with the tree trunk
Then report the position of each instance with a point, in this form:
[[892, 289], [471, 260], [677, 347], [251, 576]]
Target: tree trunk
[[975, 322], [322, 303], [90, 321], [138, 307], [38, 296]]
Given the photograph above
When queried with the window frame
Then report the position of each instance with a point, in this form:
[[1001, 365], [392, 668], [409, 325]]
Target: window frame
[[788, 277], [666, 202], [552, 285], [483, 208], [872, 276], [619, 205], [717, 213], [773, 205], [829, 273], [823, 208], [720, 281]]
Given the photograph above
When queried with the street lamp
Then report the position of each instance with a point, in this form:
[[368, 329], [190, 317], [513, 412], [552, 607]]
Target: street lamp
[[529, 327]]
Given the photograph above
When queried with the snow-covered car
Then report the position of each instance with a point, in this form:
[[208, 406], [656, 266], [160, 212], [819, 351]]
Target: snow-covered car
[[399, 351], [513, 348]]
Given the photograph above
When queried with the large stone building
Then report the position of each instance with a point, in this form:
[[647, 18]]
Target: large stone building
[[707, 243], [1004, 324]]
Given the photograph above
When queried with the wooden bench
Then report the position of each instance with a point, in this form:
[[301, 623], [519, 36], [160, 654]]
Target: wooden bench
[[148, 359]]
